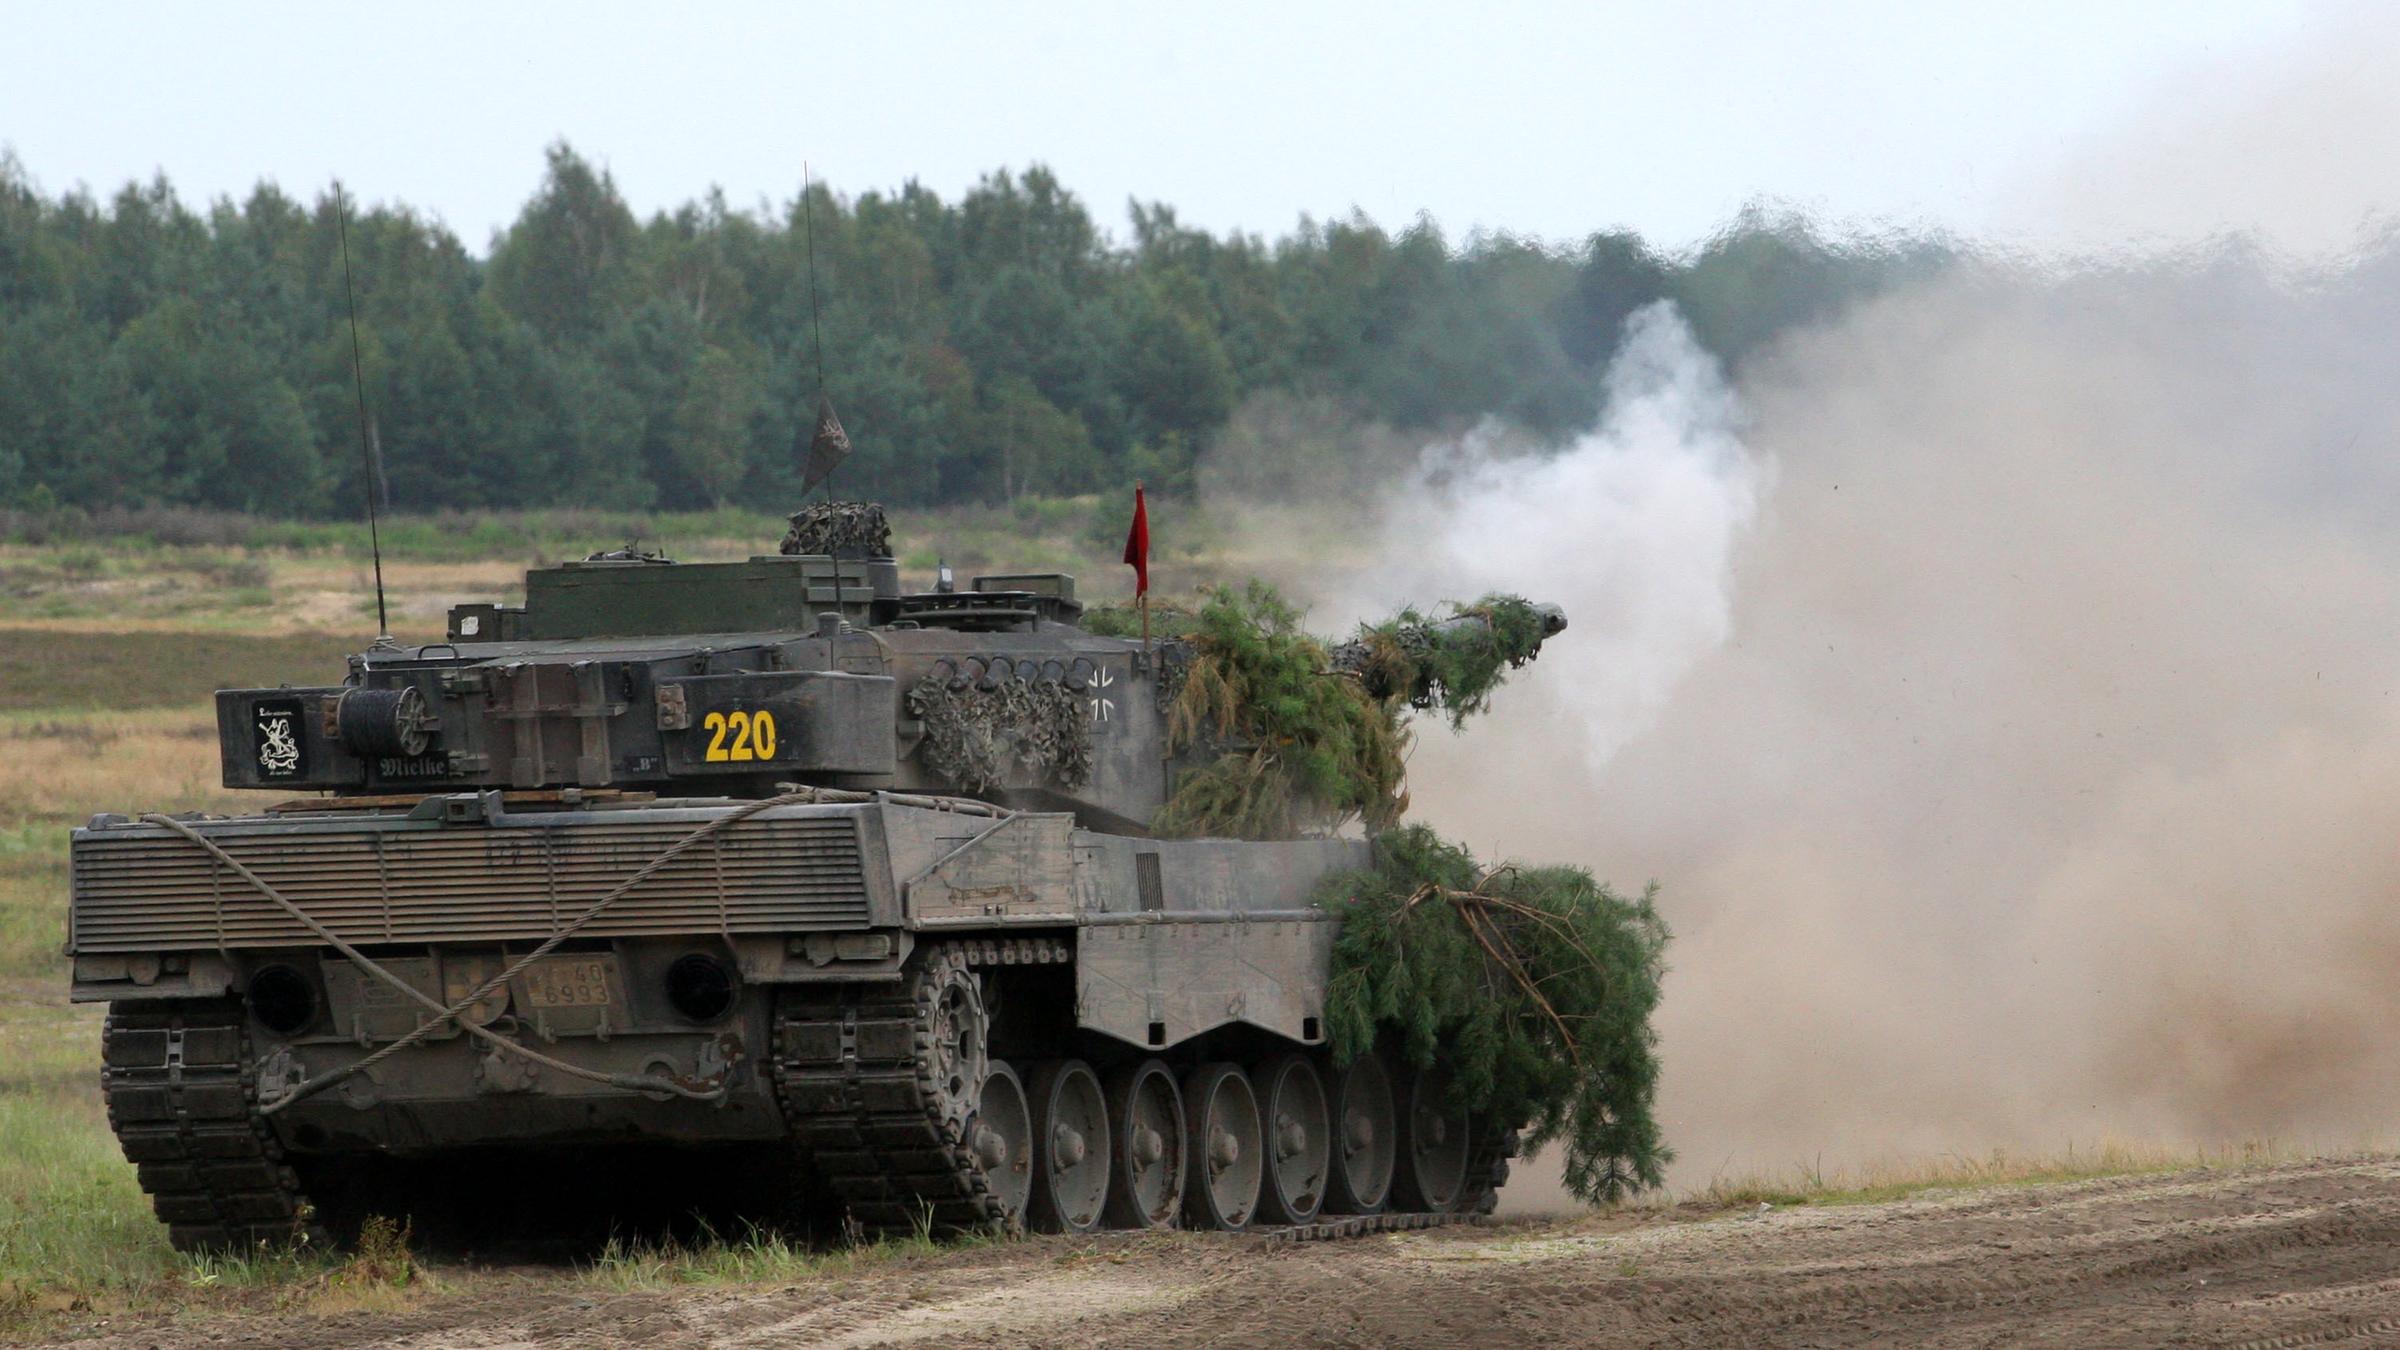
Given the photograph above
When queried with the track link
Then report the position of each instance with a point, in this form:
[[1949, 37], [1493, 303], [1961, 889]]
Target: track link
[[183, 1102], [1342, 1226], [855, 1071]]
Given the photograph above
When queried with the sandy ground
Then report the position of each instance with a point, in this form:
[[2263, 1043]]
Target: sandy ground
[[2298, 1255]]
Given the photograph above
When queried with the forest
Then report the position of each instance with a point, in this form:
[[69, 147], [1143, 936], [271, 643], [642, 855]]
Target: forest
[[1007, 343]]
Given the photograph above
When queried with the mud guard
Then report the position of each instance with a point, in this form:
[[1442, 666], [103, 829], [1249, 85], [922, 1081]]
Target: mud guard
[[1153, 982]]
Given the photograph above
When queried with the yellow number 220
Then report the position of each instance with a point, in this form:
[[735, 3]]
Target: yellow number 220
[[753, 736]]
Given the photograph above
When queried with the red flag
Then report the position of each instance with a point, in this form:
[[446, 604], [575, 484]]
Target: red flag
[[1137, 545]]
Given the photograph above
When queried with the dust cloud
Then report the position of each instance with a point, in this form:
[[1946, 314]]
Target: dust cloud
[[2001, 681], [2002, 677]]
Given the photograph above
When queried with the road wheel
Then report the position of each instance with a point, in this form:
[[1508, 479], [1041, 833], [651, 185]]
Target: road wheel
[[1434, 1145], [1071, 1148], [1298, 1129], [1146, 1142], [1366, 1133], [1001, 1138], [1222, 1144]]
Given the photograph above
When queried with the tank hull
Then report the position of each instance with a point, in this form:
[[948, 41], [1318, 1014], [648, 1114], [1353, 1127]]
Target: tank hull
[[775, 980]]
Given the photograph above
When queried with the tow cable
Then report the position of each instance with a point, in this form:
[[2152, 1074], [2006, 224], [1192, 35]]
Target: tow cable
[[705, 1090]]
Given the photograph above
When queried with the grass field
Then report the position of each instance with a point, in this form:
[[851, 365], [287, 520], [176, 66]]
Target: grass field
[[48, 672], [196, 573], [73, 1226]]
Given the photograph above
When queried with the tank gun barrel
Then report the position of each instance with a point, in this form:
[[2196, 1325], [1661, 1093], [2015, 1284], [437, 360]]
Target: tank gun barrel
[[1423, 661], [1553, 622]]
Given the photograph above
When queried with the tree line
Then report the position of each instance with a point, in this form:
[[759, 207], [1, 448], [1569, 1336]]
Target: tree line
[[1001, 344]]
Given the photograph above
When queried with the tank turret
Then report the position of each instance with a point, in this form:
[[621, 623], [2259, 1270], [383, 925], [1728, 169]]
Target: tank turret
[[627, 671]]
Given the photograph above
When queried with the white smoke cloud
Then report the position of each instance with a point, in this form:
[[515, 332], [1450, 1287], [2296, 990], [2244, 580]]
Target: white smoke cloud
[[2037, 784], [1632, 528]]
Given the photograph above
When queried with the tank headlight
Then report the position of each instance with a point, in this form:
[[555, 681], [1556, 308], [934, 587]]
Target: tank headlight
[[283, 999], [700, 987]]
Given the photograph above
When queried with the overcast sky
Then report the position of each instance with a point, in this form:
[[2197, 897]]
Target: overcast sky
[[2037, 121]]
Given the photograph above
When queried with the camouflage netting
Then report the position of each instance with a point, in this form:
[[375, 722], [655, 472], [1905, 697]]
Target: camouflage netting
[[980, 738], [1166, 620], [840, 529], [1297, 752], [1452, 663], [1537, 985]]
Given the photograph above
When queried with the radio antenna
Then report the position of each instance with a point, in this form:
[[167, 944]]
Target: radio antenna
[[358, 380], [816, 326], [827, 445]]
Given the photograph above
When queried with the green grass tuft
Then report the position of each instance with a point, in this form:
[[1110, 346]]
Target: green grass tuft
[[757, 1256]]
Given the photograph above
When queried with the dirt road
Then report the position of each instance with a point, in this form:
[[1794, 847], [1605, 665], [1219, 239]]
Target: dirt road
[[2306, 1254]]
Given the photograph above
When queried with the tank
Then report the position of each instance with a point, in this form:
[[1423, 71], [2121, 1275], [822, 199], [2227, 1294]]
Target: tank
[[837, 896]]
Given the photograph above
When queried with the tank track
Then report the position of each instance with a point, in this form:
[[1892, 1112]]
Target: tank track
[[854, 1074], [1333, 1228], [183, 1101]]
